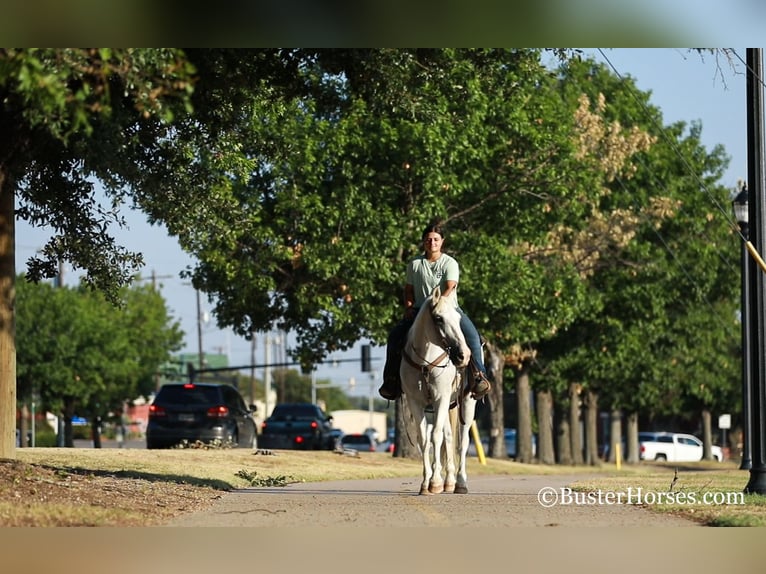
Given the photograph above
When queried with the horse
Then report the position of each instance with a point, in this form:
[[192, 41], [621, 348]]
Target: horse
[[434, 359]]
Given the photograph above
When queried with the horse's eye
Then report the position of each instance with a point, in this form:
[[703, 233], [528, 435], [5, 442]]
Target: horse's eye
[[438, 319]]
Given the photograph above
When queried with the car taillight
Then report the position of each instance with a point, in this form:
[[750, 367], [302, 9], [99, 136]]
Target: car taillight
[[217, 412], [299, 440], [314, 424], [156, 411]]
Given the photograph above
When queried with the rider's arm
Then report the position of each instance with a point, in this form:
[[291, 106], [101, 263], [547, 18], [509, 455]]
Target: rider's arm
[[409, 299], [450, 286], [409, 296]]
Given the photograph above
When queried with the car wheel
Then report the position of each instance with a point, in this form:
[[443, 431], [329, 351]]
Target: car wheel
[[661, 457]]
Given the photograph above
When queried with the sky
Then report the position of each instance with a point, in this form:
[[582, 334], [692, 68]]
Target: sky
[[684, 85]]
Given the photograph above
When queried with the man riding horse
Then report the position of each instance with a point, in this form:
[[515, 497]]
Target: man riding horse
[[425, 272]]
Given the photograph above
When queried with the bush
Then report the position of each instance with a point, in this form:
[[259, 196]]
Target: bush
[[45, 436]]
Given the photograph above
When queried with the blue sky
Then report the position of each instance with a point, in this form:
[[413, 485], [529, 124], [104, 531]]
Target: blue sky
[[684, 86]]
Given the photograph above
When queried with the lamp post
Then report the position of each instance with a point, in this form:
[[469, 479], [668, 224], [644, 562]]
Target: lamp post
[[740, 208], [756, 170]]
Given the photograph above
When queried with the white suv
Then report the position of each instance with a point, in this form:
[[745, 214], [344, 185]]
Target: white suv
[[673, 447]]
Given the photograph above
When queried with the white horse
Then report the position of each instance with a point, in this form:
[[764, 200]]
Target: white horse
[[431, 372]]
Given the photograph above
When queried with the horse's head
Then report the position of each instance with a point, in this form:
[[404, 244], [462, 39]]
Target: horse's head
[[446, 320]]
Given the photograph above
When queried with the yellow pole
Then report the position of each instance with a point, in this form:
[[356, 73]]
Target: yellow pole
[[618, 455], [477, 442], [756, 256]]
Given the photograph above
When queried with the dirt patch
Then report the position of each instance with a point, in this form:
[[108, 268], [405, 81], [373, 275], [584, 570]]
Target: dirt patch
[[39, 495]]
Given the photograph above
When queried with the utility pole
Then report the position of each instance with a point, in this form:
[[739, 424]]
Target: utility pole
[[267, 375], [60, 430], [199, 332], [252, 368]]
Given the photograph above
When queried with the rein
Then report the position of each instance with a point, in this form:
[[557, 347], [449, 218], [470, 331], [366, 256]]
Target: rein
[[427, 367]]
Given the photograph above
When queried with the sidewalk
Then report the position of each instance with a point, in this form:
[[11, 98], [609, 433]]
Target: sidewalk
[[497, 501]]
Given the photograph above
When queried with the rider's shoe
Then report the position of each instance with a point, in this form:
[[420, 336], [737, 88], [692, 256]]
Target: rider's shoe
[[481, 386], [390, 389]]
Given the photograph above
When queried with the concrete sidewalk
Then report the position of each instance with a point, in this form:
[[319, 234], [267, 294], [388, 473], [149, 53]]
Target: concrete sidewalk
[[497, 501]]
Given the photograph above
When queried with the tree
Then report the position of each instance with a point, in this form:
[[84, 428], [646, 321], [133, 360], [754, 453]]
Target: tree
[[349, 170], [665, 265], [72, 118], [79, 354]]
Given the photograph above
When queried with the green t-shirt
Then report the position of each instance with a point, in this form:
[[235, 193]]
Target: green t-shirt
[[424, 276]]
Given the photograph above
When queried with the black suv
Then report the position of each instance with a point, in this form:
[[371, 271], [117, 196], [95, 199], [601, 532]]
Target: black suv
[[203, 412], [298, 426]]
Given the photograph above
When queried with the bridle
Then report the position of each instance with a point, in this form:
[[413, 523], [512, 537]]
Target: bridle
[[425, 365]]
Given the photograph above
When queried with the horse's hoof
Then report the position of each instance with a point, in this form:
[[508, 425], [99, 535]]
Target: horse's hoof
[[425, 491], [436, 488], [449, 488], [461, 489]]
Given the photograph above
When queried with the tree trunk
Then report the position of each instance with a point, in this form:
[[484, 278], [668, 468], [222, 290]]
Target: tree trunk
[[591, 429], [524, 415], [615, 436], [406, 433], [68, 415], [495, 362], [707, 435], [563, 440], [95, 430], [7, 320], [575, 423], [631, 438], [544, 404]]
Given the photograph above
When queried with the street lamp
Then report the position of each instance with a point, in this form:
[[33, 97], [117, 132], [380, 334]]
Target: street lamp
[[741, 214]]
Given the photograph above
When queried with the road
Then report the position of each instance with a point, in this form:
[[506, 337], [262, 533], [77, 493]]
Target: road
[[496, 501]]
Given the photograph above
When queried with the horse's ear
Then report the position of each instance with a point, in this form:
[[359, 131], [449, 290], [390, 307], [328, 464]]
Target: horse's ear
[[436, 293]]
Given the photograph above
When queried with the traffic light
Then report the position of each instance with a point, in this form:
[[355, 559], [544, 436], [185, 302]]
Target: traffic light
[[366, 365]]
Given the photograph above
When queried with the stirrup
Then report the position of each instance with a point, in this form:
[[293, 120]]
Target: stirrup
[[480, 380]]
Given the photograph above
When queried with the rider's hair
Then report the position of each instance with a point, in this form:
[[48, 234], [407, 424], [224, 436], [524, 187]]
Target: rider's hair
[[434, 227]]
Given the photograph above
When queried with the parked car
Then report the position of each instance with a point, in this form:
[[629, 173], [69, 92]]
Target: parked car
[[509, 435], [373, 433], [205, 412], [673, 447], [303, 426], [336, 434], [361, 442]]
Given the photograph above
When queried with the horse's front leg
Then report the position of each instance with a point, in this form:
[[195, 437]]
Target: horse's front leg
[[449, 451], [419, 416], [441, 413]]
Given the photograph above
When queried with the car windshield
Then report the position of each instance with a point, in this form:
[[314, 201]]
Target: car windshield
[[294, 412], [356, 439], [188, 394]]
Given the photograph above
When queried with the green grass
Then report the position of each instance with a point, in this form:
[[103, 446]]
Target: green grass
[[709, 493]]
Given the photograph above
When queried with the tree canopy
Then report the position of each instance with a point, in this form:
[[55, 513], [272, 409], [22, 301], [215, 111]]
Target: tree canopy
[[300, 180]]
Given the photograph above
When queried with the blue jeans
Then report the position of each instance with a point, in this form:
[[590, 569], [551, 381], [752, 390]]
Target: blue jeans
[[473, 340]]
